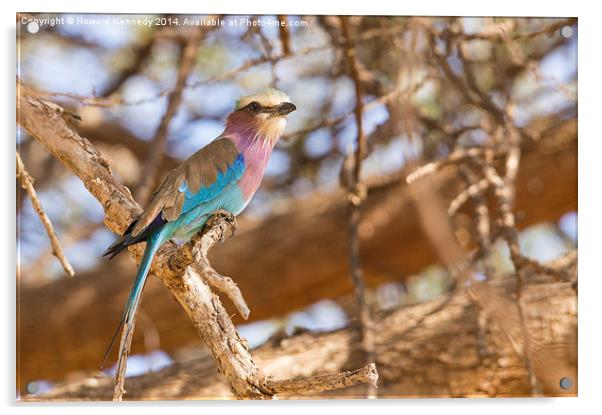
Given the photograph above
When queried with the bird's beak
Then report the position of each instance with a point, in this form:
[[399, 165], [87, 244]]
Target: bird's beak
[[283, 109]]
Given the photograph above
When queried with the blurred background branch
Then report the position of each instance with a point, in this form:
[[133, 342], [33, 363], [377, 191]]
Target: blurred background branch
[[356, 193]]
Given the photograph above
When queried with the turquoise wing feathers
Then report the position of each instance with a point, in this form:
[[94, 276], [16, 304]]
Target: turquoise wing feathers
[[207, 193], [203, 177]]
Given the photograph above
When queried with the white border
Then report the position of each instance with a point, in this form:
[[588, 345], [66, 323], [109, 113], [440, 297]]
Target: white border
[[590, 209]]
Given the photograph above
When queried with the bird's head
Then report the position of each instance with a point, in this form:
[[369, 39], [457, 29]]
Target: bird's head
[[262, 115]]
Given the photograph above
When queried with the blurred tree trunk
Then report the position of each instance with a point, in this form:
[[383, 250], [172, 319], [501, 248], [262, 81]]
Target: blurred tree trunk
[[286, 262], [446, 347]]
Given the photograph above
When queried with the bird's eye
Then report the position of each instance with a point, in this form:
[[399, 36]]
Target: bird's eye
[[254, 106]]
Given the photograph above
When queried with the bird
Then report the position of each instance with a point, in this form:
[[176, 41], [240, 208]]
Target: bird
[[222, 176]]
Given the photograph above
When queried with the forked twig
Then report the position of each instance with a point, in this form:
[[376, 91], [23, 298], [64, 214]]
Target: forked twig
[[201, 262]]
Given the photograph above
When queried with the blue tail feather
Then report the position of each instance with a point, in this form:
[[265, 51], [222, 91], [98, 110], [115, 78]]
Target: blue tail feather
[[153, 243]]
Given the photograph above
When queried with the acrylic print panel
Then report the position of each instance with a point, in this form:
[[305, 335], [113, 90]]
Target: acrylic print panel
[[405, 201]]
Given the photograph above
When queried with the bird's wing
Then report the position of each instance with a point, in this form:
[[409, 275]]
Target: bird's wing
[[201, 178]]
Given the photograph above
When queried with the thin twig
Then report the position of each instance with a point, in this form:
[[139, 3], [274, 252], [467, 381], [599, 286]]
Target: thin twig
[[467, 85], [27, 183], [484, 100], [357, 193], [455, 157], [125, 345]]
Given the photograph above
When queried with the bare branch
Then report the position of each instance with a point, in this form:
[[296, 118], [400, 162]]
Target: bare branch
[[124, 346], [224, 284], [27, 184]]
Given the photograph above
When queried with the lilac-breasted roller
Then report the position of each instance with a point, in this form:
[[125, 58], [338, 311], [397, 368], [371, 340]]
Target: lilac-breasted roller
[[225, 174]]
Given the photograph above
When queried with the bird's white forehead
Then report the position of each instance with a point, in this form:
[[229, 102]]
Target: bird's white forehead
[[266, 98]]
